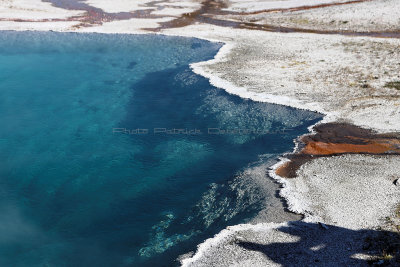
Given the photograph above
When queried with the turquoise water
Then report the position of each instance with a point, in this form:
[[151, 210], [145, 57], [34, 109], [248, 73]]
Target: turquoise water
[[92, 172]]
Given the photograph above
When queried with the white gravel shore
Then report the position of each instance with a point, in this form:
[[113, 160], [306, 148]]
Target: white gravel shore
[[351, 191], [351, 195], [288, 244], [365, 17]]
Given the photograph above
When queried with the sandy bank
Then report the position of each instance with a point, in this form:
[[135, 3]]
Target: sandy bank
[[364, 193], [366, 16], [290, 244]]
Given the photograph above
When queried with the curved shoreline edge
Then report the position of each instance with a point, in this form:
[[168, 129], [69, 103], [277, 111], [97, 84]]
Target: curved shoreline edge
[[242, 92], [285, 193], [288, 192]]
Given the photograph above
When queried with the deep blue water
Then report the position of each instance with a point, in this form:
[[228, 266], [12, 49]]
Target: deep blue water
[[91, 173]]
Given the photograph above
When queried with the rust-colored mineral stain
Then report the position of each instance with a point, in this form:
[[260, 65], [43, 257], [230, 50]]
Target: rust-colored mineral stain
[[283, 170], [374, 147], [337, 139]]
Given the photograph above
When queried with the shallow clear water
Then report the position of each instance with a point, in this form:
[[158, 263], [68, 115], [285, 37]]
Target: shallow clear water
[[80, 185]]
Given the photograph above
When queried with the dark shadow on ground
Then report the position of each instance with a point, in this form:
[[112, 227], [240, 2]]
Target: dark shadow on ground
[[327, 245]]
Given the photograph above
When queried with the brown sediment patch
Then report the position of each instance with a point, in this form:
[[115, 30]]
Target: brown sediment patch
[[337, 139], [288, 169], [211, 7], [372, 147]]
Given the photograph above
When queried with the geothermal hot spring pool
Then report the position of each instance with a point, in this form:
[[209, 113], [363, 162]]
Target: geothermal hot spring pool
[[114, 153]]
